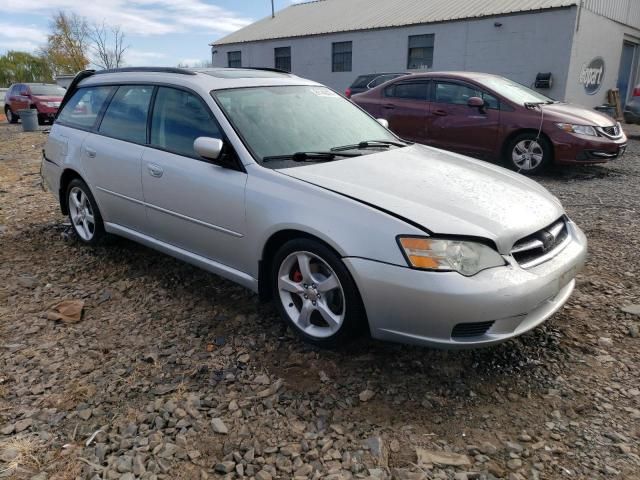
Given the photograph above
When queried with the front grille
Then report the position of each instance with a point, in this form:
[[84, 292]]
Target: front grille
[[467, 330], [539, 247], [613, 131]]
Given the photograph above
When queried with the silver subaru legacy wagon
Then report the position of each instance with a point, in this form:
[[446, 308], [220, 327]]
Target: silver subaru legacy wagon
[[287, 188]]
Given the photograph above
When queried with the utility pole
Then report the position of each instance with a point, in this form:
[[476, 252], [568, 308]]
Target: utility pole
[[273, 11]]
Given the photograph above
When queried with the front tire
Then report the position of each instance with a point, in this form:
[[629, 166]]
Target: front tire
[[315, 294], [11, 117], [84, 214], [528, 153]]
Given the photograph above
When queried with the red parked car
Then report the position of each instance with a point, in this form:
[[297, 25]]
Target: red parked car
[[493, 118], [44, 97]]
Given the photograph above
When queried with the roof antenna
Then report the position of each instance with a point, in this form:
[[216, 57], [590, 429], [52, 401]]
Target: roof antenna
[[273, 12]]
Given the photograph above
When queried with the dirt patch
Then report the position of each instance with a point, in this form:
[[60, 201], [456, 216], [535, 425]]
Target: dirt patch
[[165, 351]]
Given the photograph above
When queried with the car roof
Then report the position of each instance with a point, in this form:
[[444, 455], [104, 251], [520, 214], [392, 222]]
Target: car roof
[[198, 78], [477, 76]]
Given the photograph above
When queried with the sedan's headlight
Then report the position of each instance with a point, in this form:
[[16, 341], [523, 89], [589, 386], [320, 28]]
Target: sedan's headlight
[[579, 129], [52, 104], [467, 258]]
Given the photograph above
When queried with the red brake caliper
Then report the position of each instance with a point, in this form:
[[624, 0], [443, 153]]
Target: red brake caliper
[[296, 276]]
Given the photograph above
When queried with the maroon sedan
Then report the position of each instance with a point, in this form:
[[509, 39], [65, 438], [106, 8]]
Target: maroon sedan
[[493, 118], [44, 97]]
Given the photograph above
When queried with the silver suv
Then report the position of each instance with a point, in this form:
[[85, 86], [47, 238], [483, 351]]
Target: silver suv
[[284, 186]]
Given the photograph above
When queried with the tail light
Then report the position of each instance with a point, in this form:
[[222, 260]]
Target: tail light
[[347, 93], [636, 92]]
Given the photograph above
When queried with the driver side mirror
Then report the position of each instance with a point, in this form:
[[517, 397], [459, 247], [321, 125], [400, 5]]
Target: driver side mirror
[[215, 151], [208, 148], [383, 122], [475, 102]]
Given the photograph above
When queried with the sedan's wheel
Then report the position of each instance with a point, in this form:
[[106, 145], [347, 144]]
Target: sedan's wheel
[[11, 117], [315, 293], [83, 213], [529, 154]]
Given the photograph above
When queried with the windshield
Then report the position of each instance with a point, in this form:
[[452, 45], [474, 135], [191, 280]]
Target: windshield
[[283, 120], [514, 91], [52, 90]]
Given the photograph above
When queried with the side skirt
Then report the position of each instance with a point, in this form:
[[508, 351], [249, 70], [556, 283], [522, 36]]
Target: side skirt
[[220, 269]]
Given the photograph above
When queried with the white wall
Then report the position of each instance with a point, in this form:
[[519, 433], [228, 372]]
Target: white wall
[[597, 36], [524, 45]]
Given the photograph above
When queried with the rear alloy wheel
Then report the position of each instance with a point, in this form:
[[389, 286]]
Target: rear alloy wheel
[[11, 117], [83, 213], [315, 293], [529, 154]]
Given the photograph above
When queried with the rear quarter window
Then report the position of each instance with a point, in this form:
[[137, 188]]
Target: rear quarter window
[[85, 105]]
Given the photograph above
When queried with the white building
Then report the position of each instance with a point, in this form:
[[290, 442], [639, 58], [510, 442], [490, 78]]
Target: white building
[[589, 46]]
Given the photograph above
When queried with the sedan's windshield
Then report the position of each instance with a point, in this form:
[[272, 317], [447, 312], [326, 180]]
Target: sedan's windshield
[[514, 91], [51, 90], [284, 120]]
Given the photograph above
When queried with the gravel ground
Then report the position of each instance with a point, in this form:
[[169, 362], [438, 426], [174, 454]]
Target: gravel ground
[[174, 373]]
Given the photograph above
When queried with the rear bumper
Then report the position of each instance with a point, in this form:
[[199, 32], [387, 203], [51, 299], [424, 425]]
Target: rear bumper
[[580, 149], [433, 308]]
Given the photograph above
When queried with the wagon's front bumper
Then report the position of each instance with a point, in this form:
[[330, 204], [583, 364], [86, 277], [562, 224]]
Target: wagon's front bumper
[[446, 309]]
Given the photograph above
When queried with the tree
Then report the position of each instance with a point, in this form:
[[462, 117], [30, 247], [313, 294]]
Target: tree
[[199, 64], [107, 46], [20, 67], [67, 44]]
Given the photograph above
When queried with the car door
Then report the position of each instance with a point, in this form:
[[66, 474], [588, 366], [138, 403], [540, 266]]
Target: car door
[[191, 203], [404, 105], [110, 164], [113, 156], [456, 126], [20, 98]]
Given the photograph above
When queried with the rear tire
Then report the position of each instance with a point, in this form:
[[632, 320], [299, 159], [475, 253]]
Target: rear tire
[[84, 214], [315, 294], [11, 117], [529, 153]]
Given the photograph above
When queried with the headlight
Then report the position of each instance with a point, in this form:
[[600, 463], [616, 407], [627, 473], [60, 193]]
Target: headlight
[[467, 258], [579, 129], [52, 104]]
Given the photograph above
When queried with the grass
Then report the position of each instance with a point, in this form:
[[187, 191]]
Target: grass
[[26, 449]]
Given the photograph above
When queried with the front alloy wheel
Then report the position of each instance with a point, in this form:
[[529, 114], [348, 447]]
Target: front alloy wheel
[[311, 294], [529, 153], [315, 293]]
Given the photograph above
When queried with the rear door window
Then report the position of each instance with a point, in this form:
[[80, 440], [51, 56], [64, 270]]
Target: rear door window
[[179, 117], [382, 79], [126, 115], [408, 90], [85, 105]]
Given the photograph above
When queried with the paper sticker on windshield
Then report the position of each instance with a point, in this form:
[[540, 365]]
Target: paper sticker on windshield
[[324, 92]]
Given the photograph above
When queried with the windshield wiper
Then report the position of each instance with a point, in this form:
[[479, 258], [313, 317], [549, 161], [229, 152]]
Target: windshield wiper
[[310, 156], [370, 144]]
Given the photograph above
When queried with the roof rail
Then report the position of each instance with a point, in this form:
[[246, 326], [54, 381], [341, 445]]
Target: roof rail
[[180, 71], [267, 69]]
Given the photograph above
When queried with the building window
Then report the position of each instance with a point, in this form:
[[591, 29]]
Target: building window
[[283, 58], [420, 52], [234, 59], [341, 57]]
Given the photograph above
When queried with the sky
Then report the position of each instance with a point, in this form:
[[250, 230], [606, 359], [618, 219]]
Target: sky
[[158, 32]]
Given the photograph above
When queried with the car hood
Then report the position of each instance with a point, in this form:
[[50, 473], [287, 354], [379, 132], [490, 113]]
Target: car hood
[[443, 192], [567, 113]]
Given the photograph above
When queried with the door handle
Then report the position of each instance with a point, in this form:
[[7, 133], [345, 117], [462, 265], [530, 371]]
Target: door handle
[[440, 113], [91, 153], [155, 170], [389, 107]]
